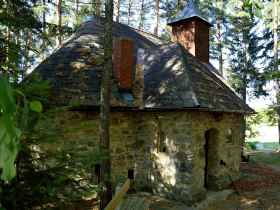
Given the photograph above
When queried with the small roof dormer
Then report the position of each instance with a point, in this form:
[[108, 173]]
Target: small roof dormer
[[191, 30]]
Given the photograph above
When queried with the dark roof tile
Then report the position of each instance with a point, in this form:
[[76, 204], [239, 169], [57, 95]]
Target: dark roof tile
[[189, 11], [173, 78]]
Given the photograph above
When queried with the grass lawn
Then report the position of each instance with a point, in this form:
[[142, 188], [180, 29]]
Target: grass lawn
[[267, 160], [271, 145]]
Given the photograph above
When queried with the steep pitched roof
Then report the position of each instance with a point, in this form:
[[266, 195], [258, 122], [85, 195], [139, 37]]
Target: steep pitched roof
[[75, 67], [189, 11], [173, 78]]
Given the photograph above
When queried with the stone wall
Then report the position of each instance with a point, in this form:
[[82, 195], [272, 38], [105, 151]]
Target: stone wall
[[165, 149]]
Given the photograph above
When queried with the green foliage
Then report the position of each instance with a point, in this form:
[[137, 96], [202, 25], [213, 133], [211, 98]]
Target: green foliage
[[61, 171], [59, 176], [36, 106], [255, 7], [9, 133], [13, 120], [270, 115], [36, 88], [251, 123], [251, 145]]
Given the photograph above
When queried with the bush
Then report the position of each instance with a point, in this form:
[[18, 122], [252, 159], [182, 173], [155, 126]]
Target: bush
[[56, 176], [251, 145]]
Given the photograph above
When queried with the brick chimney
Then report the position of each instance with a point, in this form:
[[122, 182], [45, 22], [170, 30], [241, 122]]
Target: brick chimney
[[123, 63], [191, 30]]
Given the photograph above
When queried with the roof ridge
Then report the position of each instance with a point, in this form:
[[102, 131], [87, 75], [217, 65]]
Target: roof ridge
[[145, 32], [122, 24], [179, 49]]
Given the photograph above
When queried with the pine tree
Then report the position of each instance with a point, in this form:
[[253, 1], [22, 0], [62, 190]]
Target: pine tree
[[243, 50], [214, 12]]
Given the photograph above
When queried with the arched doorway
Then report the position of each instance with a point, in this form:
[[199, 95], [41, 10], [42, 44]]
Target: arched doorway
[[211, 158]]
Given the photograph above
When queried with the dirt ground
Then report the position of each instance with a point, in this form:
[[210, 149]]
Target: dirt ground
[[258, 188]]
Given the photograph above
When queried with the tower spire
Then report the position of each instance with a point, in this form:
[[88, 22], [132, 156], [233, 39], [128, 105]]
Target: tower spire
[[189, 11]]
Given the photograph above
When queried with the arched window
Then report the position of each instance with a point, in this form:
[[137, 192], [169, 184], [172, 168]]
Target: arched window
[[161, 146], [229, 136]]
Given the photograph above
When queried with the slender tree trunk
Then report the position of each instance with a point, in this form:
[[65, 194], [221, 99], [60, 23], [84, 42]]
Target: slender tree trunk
[[156, 18], [168, 10], [8, 39], [26, 55], [129, 12], [44, 17], [118, 10], [220, 47], [245, 66], [97, 7], [141, 22], [105, 165], [58, 19], [43, 37], [275, 50], [77, 8], [219, 36], [16, 66]]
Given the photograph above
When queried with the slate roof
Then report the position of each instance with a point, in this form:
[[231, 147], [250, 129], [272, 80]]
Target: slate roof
[[173, 78], [185, 82], [189, 11], [75, 67]]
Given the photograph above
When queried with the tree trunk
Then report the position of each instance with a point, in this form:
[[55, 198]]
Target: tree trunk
[[156, 19], [219, 36], [16, 65], [168, 10], [141, 22], [118, 10], [105, 165], [8, 39], [275, 50], [129, 12], [42, 48], [97, 7], [26, 55], [245, 67], [77, 8], [58, 19]]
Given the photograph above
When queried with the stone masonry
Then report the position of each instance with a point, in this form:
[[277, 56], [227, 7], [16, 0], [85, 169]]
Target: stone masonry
[[176, 169]]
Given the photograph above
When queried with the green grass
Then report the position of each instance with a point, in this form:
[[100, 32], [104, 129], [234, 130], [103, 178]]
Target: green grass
[[268, 160], [271, 145]]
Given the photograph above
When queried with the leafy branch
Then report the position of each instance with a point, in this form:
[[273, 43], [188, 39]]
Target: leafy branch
[[13, 120]]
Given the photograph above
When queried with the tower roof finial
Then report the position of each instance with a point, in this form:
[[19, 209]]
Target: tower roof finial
[[189, 11]]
